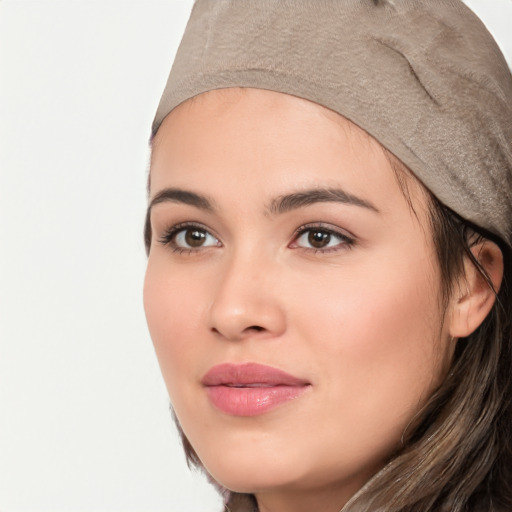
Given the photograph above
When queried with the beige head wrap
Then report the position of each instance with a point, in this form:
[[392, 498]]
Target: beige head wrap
[[424, 77]]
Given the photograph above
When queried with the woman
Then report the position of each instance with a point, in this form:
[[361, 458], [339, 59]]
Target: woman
[[329, 235]]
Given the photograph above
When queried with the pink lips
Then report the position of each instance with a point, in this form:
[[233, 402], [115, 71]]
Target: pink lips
[[250, 389]]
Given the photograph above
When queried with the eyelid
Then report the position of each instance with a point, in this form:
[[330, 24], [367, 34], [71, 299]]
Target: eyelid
[[347, 240], [169, 234]]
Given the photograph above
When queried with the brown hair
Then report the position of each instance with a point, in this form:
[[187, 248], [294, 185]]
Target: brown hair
[[457, 455]]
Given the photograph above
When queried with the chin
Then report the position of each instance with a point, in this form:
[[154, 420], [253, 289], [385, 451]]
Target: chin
[[253, 480], [244, 471]]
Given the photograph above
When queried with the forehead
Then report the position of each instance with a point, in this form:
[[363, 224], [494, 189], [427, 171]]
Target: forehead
[[267, 141], [217, 103]]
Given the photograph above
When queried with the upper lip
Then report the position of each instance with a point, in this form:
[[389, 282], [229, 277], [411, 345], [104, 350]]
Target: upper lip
[[249, 375]]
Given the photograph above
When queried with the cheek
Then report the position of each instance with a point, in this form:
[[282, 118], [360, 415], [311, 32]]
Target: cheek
[[173, 312], [376, 336]]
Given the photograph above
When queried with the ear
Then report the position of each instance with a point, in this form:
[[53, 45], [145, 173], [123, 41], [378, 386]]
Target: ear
[[473, 297]]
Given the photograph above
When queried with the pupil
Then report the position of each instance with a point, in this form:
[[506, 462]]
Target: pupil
[[319, 239], [194, 237]]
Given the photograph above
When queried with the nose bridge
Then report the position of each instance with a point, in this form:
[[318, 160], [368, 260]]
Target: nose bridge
[[245, 301]]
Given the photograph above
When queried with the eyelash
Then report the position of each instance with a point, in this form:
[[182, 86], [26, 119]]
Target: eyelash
[[168, 238], [345, 241]]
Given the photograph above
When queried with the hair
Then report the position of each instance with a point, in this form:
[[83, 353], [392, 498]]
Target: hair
[[456, 455]]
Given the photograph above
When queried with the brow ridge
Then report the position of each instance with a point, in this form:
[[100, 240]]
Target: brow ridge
[[295, 200], [177, 195]]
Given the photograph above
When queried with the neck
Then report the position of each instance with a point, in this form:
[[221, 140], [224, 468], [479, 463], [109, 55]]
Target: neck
[[331, 499]]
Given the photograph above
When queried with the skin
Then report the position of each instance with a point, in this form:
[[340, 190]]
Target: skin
[[359, 319]]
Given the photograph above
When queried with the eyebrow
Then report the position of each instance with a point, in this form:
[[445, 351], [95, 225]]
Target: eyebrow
[[281, 204], [296, 200], [176, 195]]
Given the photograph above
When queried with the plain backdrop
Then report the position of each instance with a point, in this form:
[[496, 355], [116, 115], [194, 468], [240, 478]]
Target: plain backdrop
[[84, 414]]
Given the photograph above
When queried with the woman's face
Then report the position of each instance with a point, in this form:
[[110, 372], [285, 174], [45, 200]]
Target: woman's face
[[281, 238]]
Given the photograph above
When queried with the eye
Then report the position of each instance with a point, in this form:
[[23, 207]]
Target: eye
[[321, 239], [189, 237]]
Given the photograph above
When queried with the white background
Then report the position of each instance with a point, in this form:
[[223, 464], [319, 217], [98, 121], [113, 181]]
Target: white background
[[84, 415]]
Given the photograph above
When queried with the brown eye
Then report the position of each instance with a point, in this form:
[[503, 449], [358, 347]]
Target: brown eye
[[318, 239], [195, 237], [190, 237], [322, 239]]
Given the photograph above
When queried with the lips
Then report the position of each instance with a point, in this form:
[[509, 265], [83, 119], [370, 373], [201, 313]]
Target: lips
[[250, 389]]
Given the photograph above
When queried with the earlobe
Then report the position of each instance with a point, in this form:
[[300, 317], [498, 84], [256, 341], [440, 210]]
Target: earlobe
[[474, 297]]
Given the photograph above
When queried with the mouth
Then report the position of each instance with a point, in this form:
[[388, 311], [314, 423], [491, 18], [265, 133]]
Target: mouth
[[251, 389]]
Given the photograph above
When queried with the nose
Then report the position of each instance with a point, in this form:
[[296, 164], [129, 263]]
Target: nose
[[246, 302]]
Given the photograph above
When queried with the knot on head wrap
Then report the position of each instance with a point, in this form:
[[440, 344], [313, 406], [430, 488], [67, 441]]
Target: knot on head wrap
[[424, 78]]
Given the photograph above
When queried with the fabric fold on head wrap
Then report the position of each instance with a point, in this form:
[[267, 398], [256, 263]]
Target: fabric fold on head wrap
[[424, 78]]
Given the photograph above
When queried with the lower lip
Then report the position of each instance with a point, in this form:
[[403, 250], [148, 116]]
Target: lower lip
[[252, 401]]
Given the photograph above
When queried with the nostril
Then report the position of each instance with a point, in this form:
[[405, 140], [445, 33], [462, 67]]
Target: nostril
[[241, 334], [256, 328]]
